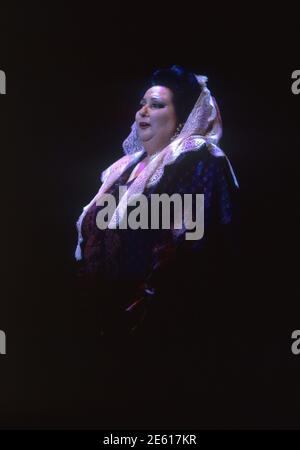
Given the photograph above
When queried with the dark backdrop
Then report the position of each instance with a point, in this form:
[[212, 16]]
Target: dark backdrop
[[73, 81]]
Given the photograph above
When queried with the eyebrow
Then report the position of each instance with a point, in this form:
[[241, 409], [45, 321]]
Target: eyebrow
[[154, 98]]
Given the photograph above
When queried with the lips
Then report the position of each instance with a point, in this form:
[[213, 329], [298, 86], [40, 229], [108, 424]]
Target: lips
[[144, 125]]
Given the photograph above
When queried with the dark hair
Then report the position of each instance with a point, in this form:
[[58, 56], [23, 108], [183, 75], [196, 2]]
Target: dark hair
[[184, 86]]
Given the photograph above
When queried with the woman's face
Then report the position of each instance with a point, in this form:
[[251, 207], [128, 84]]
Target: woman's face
[[156, 119]]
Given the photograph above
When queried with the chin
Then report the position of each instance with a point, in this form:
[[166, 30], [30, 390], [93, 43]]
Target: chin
[[144, 138]]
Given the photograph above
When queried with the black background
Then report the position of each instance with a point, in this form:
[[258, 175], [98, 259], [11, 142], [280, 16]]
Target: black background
[[74, 75]]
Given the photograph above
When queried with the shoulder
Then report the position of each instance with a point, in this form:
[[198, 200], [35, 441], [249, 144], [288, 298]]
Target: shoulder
[[201, 165]]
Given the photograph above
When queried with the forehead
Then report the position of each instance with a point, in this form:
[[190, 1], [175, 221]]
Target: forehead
[[160, 92]]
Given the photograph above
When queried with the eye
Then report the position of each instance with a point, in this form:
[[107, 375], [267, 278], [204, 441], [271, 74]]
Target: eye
[[157, 105]]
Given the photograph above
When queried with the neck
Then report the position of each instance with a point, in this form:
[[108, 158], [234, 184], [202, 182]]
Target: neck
[[153, 147]]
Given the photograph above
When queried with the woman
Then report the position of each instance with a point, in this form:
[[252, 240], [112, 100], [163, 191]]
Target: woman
[[142, 280]]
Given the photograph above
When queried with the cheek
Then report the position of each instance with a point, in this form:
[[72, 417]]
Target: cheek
[[165, 118]]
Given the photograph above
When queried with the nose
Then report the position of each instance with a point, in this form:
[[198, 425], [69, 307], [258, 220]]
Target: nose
[[144, 111]]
